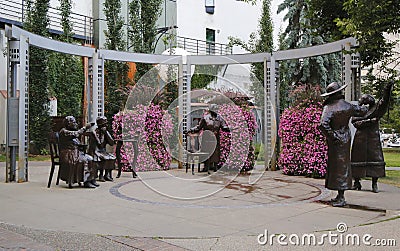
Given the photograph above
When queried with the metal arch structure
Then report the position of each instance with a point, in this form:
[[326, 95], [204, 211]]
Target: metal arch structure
[[19, 41]]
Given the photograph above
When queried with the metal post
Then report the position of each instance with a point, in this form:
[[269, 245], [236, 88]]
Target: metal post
[[277, 109], [270, 113], [267, 117], [346, 71], [95, 87], [187, 104], [23, 79], [17, 110], [182, 137], [13, 59], [89, 87], [356, 75], [100, 90]]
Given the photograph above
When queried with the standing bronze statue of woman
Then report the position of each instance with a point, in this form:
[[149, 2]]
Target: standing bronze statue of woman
[[366, 155], [335, 126], [211, 123]]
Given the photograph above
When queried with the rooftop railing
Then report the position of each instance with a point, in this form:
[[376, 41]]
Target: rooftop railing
[[14, 12], [201, 47]]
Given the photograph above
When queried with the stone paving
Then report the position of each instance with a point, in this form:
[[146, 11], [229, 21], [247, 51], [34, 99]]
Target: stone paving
[[175, 210]]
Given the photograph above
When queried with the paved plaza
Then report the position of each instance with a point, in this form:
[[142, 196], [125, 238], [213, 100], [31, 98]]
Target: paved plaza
[[175, 210]]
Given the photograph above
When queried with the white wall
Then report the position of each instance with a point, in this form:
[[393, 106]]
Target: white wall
[[230, 18], [83, 7]]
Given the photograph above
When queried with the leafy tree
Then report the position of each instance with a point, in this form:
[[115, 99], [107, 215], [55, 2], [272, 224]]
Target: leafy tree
[[37, 22], [116, 80], [142, 22], [66, 71], [204, 75], [368, 21]]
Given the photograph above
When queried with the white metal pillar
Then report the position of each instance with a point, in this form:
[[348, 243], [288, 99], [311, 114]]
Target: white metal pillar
[[356, 76], [184, 99], [346, 71], [17, 109], [95, 88], [271, 99]]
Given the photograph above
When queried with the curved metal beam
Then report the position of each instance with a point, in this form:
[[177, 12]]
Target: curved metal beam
[[139, 57], [229, 59], [313, 51], [49, 44]]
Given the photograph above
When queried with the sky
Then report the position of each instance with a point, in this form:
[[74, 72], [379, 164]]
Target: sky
[[277, 20]]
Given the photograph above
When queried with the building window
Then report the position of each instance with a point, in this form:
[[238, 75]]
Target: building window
[[210, 6], [210, 41]]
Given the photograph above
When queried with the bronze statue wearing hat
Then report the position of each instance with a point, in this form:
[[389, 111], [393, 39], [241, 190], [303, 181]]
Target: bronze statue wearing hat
[[98, 140], [335, 126], [366, 154], [210, 124]]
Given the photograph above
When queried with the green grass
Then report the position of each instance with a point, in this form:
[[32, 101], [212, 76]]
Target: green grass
[[392, 178], [392, 157], [30, 158]]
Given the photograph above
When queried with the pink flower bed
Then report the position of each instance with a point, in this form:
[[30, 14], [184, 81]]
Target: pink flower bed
[[152, 124], [304, 151], [237, 151]]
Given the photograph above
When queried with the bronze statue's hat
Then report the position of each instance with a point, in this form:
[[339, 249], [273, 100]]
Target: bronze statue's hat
[[100, 121], [333, 88]]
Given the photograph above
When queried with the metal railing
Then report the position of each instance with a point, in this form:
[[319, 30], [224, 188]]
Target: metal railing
[[201, 47], [14, 12]]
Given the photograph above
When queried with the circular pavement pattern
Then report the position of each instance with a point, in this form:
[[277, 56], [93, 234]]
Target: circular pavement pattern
[[267, 192]]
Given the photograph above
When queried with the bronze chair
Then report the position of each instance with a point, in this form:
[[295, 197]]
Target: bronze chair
[[194, 153], [55, 157]]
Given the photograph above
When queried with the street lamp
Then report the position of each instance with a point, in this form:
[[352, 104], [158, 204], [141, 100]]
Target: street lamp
[[162, 31]]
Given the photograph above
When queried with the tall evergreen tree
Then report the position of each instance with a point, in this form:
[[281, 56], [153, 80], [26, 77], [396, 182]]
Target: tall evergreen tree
[[260, 41], [143, 31], [116, 80], [300, 33], [37, 22], [66, 71]]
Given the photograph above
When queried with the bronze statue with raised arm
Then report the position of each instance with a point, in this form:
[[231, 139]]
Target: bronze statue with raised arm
[[75, 165], [335, 126], [366, 155], [210, 124]]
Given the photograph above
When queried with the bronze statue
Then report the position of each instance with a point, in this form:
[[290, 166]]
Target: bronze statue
[[211, 122], [335, 126], [98, 140], [75, 165], [366, 155]]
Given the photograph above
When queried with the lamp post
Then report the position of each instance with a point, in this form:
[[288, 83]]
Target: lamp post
[[162, 31]]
